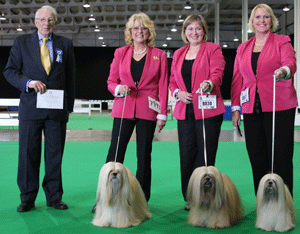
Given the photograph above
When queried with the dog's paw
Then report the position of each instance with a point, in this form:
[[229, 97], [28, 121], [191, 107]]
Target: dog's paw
[[100, 224], [284, 228], [264, 228], [219, 226]]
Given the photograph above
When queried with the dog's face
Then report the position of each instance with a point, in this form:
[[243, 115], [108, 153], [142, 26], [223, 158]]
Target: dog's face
[[115, 179], [270, 190], [208, 189], [114, 185]]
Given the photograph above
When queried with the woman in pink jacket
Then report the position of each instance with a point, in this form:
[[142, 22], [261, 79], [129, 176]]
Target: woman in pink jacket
[[257, 61], [198, 65], [139, 71]]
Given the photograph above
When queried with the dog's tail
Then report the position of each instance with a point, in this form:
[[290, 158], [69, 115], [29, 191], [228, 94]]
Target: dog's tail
[[290, 204], [138, 201], [233, 200]]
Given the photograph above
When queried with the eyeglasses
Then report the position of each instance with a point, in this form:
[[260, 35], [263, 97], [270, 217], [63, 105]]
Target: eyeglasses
[[190, 28], [140, 28], [43, 20], [265, 17]]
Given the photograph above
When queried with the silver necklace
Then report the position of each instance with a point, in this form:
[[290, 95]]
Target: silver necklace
[[258, 44], [140, 52]]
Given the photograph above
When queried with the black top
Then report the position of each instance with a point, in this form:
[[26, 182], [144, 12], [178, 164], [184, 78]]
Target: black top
[[257, 105], [186, 72], [254, 59], [137, 68]]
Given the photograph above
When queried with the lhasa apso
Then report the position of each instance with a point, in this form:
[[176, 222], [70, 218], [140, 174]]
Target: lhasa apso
[[213, 199], [120, 201], [275, 210]]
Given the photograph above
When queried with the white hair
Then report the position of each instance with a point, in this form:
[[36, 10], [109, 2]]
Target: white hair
[[50, 8]]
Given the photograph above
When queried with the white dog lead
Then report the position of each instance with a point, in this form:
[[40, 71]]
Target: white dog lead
[[273, 122], [204, 136], [120, 126]]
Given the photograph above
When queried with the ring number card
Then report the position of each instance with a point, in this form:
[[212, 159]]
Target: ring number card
[[244, 96], [207, 102], [153, 104]]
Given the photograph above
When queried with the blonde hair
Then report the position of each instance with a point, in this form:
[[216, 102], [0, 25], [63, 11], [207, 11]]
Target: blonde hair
[[268, 9], [190, 19], [143, 19]]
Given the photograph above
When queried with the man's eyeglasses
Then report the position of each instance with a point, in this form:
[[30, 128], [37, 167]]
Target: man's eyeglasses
[[44, 20]]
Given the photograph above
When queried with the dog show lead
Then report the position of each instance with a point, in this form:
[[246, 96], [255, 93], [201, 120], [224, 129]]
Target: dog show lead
[[125, 94]]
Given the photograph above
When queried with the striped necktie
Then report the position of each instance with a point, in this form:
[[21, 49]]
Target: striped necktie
[[45, 57]]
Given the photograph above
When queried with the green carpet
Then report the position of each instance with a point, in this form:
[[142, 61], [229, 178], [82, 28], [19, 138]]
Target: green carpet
[[81, 164]]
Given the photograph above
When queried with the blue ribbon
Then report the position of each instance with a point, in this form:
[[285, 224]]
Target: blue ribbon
[[59, 54]]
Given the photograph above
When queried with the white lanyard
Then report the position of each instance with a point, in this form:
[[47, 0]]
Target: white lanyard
[[273, 122], [120, 127], [204, 136]]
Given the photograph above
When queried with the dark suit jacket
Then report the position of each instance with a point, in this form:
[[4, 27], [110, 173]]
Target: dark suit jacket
[[25, 63]]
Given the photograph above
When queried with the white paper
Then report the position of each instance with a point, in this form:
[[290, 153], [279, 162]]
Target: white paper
[[51, 99], [153, 104]]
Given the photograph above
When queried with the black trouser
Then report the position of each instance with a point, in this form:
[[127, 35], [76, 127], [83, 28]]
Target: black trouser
[[258, 134], [30, 143], [190, 136], [144, 136]]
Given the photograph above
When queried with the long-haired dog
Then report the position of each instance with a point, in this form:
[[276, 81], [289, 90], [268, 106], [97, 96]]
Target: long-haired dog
[[120, 200], [213, 199], [275, 208]]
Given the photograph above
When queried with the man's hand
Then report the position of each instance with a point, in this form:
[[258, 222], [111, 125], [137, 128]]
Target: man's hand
[[38, 86]]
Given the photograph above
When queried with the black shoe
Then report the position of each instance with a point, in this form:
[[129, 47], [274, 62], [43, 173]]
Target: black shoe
[[94, 208], [59, 205], [187, 207], [25, 206]]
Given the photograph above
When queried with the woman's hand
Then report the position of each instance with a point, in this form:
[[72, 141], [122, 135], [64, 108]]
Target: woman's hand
[[236, 118], [204, 86], [280, 74], [185, 97], [160, 124], [124, 89]]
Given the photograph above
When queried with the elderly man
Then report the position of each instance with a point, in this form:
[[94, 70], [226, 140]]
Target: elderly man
[[42, 66]]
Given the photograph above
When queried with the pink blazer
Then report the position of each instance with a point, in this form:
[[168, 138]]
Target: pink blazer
[[208, 65], [277, 52], [153, 83]]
